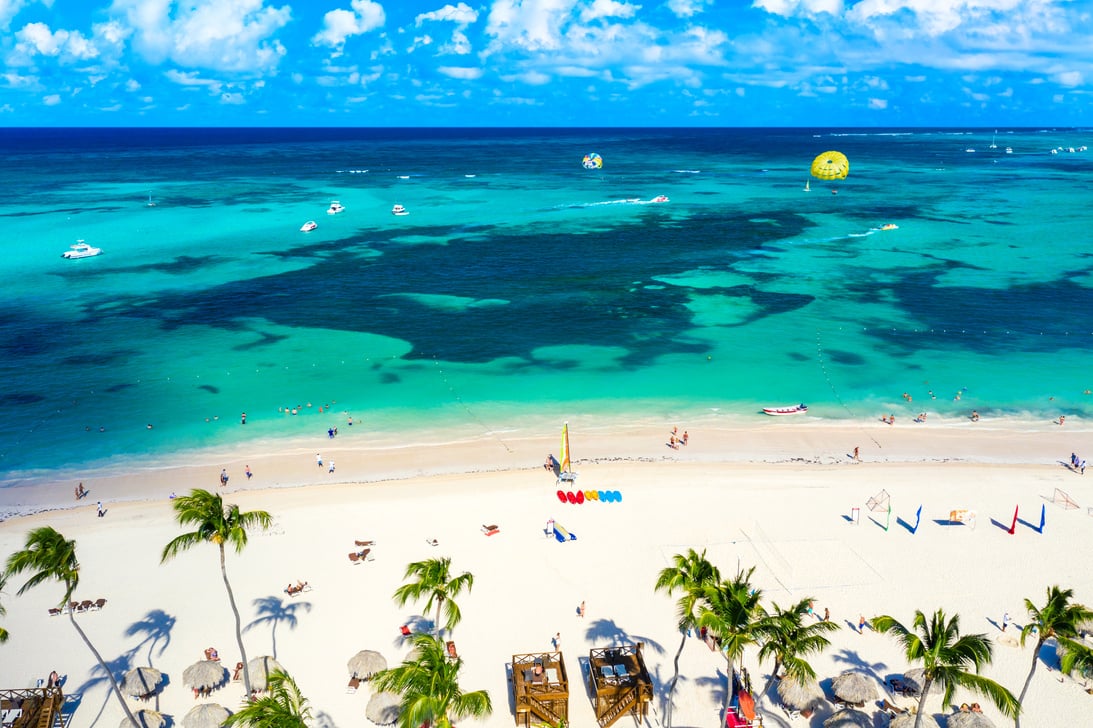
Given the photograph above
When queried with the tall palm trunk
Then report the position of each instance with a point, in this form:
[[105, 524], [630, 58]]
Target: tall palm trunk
[[436, 624], [1028, 680], [238, 622], [672, 684], [772, 678], [929, 681], [102, 663], [729, 688]]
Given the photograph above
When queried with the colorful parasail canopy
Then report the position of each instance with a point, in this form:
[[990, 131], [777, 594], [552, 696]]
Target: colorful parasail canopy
[[830, 166], [592, 161]]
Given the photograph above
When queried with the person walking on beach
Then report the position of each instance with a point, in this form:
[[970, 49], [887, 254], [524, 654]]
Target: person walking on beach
[[249, 473], [861, 623], [1005, 621], [580, 610], [857, 454], [556, 641], [827, 614], [331, 467], [318, 459], [223, 477], [101, 511]]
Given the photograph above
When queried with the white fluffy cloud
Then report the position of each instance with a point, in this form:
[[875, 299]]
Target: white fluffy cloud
[[340, 24], [66, 46], [688, 8], [223, 35], [608, 9], [466, 74], [462, 15]]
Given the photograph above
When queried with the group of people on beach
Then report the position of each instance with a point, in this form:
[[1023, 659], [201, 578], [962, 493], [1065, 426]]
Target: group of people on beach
[[675, 439], [1077, 464]]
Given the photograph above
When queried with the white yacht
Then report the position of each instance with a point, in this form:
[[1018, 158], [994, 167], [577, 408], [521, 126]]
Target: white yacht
[[335, 208], [308, 226], [81, 250], [399, 210]]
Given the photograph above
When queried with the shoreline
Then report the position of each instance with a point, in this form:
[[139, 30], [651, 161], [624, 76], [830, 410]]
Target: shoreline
[[377, 457]]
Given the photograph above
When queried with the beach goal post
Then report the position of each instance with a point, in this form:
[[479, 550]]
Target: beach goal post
[[880, 502], [1062, 498]]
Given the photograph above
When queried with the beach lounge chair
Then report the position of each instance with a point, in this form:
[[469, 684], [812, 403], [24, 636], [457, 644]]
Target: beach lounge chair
[[54, 611], [354, 683], [365, 543], [405, 630], [238, 674], [432, 541], [491, 530], [84, 605], [99, 604], [451, 650], [358, 556]]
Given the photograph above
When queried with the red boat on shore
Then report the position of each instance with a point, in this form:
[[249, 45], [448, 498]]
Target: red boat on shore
[[794, 410]]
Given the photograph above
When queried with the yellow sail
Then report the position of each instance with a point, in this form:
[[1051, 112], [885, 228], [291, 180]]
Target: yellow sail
[[565, 448]]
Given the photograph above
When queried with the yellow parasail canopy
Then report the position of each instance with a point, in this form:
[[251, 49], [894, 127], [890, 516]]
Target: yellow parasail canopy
[[830, 166]]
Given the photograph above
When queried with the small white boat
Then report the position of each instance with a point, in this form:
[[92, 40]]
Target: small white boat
[[794, 410], [1009, 150], [81, 250], [399, 210], [308, 226], [969, 150], [660, 198], [335, 208]]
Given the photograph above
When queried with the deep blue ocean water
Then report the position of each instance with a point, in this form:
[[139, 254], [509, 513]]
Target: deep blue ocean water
[[521, 282]]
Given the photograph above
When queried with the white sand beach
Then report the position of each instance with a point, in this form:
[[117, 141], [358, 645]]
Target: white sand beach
[[776, 495]]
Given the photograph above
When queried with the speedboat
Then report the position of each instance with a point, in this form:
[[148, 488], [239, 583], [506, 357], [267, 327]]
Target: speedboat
[[399, 210], [794, 410], [335, 208], [889, 226], [308, 226], [659, 198], [81, 250]]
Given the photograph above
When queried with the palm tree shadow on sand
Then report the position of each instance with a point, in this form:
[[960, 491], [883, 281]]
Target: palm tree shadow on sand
[[605, 633], [274, 610], [156, 627]]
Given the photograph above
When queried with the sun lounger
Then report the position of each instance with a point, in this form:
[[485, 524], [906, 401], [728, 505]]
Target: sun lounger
[[451, 650], [365, 543], [491, 530], [892, 710], [54, 611], [358, 556], [84, 605], [99, 604], [354, 683], [405, 630], [431, 541]]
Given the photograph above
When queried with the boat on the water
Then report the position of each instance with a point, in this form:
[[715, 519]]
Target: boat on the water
[[660, 198], [889, 226], [399, 210], [335, 208], [794, 410], [308, 226], [81, 250]]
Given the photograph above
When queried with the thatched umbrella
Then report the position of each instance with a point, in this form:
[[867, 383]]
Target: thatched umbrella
[[206, 715], [854, 687], [849, 718], [260, 668], [145, 719], [141, 681], [383, 708], [969, 720], [800, 695], [915, 678], [204, 675], [907, 720], [366, 663]]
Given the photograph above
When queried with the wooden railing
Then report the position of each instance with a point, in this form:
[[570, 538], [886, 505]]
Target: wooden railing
[[624, 703]]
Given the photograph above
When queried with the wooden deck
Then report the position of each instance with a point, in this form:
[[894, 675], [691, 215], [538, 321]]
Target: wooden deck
[[31, 708], [619, 683], [540, 689]]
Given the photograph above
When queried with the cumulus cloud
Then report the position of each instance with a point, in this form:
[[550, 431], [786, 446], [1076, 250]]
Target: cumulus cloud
[[221, 35], [51, 99], [809, 8], [66, 46], [688, 8], [340, 24], [531, 26], [466, 74], [461, 14], [608, 9]]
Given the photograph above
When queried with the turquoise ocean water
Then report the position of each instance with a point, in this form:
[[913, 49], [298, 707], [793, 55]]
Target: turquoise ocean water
[[521, 282]]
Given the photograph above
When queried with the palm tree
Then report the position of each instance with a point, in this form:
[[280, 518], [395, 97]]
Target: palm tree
[[1059, 618], [3, 632], [434, 581], [282, 706], [49, 556], [788, 639], [429, 685], [731, 612], [218, 524], [689, 574], [946, 655]]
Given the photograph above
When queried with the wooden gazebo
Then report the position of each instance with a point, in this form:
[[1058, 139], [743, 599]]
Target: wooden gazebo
[[32, 707], [619, 683], [540, 689]]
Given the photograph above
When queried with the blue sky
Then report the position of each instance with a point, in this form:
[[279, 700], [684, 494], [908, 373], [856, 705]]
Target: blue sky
[[991, 63]]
